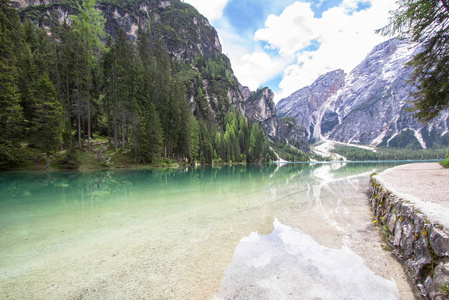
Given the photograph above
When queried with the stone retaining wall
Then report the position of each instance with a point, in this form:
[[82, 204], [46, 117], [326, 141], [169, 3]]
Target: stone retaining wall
[[422, 245]]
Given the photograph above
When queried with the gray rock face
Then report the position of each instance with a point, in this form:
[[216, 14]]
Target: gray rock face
[[369, 105], [305, 104], [259, 106], [187, 35]]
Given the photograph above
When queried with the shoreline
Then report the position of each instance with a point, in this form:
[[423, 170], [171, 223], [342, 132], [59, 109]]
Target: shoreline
[[409, 203]]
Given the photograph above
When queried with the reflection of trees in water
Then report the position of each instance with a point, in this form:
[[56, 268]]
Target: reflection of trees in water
[[68, 188], [74, 188]]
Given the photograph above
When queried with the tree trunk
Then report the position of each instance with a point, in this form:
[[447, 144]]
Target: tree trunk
[[109, 119], [127, 134], [123, 136], [48, 162], [88, 95], [79, 127], [88, 122], [115, 132], [83, 122], [69, 117]]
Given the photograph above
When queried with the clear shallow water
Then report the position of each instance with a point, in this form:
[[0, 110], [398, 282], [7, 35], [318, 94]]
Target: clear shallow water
[[178, 234]]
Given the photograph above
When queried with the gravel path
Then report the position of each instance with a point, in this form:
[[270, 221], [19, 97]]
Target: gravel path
[[426, 185]]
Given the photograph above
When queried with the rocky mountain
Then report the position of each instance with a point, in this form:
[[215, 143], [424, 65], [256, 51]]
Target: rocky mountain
[[260, 107], [187, 33], [309, 100], [369, 105]]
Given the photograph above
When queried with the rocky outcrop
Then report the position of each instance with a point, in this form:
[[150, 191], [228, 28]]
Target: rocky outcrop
[[369, 105], [187, 33], [260, 107], [422, 245], [306, 103]]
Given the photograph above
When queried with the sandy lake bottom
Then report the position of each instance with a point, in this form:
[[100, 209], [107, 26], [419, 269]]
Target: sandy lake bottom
[[296, 231]]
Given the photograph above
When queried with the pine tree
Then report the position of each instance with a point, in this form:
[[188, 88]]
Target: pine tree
[[148, 137], [244, 135], [89, 25], [195, 138], [124, 82], [27, 69], [172, 123], [185, 139], [218, 144], [10, 109], [47, 124], [256, 143], [148, 140]]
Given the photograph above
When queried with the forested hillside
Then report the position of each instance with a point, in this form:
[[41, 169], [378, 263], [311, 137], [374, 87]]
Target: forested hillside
[[65, 82]]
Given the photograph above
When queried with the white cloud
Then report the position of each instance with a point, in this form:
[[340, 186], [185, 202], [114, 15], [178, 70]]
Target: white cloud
[[346, 37], [212, 10], [290, 31], [256, 68], [251, 64]]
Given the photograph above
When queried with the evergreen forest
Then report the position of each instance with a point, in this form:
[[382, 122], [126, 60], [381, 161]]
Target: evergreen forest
[[71, 91]]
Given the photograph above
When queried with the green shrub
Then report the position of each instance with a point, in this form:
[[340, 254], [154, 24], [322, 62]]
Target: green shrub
[[445, 163]]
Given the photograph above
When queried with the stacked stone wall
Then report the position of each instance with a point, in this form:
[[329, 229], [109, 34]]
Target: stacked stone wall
[[421, 245]]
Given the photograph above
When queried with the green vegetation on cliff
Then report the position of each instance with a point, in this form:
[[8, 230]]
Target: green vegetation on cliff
[[119, 101]]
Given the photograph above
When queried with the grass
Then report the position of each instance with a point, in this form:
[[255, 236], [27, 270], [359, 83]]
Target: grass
[[445, 163], [101, 156], [445, 289]]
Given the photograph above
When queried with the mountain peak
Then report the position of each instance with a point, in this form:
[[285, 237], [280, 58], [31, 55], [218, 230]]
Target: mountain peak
[[303, 103], [369, 105]]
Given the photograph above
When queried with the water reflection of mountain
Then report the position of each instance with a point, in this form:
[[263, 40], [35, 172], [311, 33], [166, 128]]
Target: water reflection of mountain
[[27, 186]]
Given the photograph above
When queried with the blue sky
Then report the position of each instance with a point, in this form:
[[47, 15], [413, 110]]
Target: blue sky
[[287, 44]]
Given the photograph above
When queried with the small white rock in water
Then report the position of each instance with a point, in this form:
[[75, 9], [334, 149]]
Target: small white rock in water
[[288, 264]]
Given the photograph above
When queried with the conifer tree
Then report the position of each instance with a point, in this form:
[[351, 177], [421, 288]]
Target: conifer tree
[[195, 138], [256, 143], [185, 139], [46, 125], [89, 25], [124, 82], [27, 70], [172, 123], [109, 78], [148, 137], [148, 140], [10, 109]]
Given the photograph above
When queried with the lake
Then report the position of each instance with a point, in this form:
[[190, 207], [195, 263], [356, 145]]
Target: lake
[[293, 231]]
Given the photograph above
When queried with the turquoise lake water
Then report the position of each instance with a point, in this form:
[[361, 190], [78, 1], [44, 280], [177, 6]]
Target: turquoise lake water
[[246, 232]]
